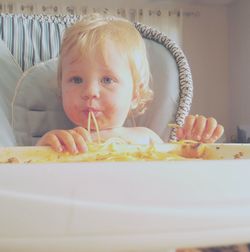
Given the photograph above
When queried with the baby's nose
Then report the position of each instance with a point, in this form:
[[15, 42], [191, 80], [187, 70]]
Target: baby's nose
[[91, 91]]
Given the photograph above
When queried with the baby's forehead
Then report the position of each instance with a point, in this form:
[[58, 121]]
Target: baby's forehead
[[108, 59], [101, 51]]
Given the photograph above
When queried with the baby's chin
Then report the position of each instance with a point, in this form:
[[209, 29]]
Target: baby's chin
[[101, 124], [107, 128]]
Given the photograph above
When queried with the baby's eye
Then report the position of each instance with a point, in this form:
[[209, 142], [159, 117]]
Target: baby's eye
[[107, 80], [76, 80]]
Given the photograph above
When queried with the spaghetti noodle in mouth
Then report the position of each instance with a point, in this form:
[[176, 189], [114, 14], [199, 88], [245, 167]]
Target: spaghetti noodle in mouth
[[92, 115]]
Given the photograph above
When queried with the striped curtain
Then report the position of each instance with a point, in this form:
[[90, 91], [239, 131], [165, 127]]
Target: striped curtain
[[33, 38]]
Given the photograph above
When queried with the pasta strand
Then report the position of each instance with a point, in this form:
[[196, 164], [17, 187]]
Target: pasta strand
[[96, 127], [89, 121]]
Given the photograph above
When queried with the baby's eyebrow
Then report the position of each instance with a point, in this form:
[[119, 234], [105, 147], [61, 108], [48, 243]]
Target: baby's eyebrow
[[107, 69], [74, 60], [72, 73]]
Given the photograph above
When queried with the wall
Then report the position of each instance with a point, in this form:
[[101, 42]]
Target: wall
[[239, 51], [205, 42]]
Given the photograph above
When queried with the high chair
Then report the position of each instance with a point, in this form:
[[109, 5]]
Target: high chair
[[31, 46]]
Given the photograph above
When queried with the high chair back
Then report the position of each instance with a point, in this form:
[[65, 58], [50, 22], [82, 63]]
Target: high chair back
[[33, 43]]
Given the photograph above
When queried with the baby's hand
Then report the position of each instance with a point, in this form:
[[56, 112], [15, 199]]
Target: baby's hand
[[200, 128], [73, 141]]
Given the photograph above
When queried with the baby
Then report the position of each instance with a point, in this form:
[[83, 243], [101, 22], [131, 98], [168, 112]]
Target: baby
[[103, 74]]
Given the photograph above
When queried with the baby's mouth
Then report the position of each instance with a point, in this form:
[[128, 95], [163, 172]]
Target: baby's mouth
[[93, 111]]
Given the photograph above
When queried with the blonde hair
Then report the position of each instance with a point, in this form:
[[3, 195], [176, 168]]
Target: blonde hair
[[93, 30]]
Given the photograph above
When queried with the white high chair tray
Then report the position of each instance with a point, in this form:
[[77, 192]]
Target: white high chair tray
[[125, 206]]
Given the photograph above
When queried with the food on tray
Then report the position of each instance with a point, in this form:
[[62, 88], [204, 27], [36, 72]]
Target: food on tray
[[238, 155], [117, 149], [192, 149], [113, 149]]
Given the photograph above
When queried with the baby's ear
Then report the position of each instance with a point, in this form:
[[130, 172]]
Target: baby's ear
[[136, 95], [137, 91]]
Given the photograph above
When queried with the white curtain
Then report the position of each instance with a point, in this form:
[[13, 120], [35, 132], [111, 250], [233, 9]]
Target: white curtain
[[167, 20], [163, 19]]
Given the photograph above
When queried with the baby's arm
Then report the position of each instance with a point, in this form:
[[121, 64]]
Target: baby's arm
[[73, 141], [200, 128], [154, 138], [142, 135]]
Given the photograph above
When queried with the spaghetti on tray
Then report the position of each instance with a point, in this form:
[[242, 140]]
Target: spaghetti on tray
[[114, 149]]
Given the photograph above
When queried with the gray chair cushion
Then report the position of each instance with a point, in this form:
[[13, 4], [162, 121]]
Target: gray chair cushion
[[10, 72], [37, 106], [185, 82]]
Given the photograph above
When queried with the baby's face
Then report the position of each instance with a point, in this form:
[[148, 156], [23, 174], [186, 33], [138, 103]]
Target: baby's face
[[101, 83]]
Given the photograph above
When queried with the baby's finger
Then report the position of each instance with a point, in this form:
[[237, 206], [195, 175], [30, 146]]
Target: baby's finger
[[79, 141], [218, 132], [188, 126], [84, 133], [180, 133], [199, 127], [67, 140], [52, 141], [209, 130]]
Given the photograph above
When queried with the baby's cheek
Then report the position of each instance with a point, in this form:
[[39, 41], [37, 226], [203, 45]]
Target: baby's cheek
[[109, 105], [69, 110]]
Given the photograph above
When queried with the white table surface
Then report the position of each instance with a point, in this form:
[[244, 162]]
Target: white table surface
[[124, 206]]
